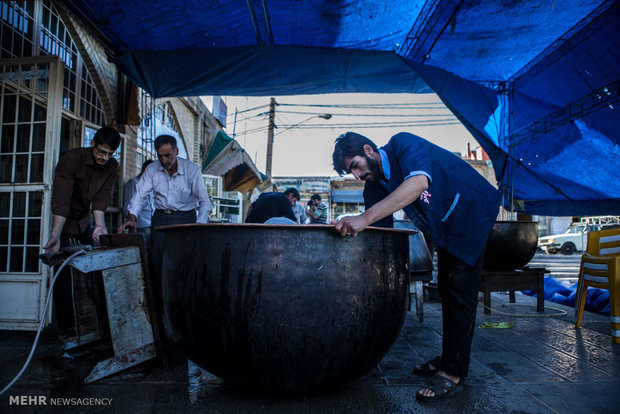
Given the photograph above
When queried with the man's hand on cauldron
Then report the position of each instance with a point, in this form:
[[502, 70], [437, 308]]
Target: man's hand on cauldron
[[350, 226], [53, 244], [99, 231], [131, 223]]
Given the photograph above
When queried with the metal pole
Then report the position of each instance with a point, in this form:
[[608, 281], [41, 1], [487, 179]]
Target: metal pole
[[235, 123], [272, 116]]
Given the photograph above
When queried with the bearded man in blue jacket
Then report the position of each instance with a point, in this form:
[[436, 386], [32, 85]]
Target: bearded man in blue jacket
[[455, 207]]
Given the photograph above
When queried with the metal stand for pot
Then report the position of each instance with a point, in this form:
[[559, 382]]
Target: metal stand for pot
[[527, 278], [126, 303], [416, 292], [420, 266]]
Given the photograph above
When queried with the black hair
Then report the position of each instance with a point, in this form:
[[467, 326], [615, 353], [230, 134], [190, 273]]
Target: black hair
[[348, 145], [162, 140], [293, 191], [107, 136], [315, 197], [144, 165]]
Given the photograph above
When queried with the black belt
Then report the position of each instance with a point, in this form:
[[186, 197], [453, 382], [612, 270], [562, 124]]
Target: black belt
[[166, 211]]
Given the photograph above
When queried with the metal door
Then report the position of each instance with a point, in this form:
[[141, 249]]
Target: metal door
[[30, 115]]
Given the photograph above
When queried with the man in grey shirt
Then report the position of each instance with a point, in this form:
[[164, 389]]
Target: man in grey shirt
[[300, 213], [177, 188]]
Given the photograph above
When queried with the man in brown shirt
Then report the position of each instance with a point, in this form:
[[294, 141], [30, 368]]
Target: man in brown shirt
[[83, 176]]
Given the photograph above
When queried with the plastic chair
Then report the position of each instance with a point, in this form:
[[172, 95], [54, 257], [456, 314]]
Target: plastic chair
[[600, 268]]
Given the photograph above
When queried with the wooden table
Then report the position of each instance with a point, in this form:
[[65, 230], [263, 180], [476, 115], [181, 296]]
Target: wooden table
[[527, 278]]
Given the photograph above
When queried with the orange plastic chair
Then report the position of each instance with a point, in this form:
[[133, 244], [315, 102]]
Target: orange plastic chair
[[600, 268]]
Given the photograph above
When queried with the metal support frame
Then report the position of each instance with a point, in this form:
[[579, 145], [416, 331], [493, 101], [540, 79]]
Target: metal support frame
[[130, 323], [428, 27], [605, 97]]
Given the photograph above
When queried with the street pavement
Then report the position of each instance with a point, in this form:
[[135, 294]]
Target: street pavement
[[563, 268], [537, 365], [540, 364]]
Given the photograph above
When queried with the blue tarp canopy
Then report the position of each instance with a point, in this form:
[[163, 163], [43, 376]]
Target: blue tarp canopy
[[536, 82]]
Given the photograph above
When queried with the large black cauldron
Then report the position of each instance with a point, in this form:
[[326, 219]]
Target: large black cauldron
[[286, 308], [511, 245]]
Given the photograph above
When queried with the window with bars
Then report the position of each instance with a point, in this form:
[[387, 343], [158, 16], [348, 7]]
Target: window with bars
[[17, 29], [160, 121], [23, 123], [18, 39], [20, 226], [90, 103], [33, 28], [55, 40], [170, 123]]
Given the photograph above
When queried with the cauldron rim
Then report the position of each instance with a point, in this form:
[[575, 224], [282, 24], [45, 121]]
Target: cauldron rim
[[247, 226]]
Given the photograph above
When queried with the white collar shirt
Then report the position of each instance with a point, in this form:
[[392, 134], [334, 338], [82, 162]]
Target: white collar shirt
[[183, 191]]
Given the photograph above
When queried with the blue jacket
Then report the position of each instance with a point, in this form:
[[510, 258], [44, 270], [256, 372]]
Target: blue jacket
[[459, 208]]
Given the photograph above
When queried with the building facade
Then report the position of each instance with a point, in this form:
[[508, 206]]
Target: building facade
[[57, 87]]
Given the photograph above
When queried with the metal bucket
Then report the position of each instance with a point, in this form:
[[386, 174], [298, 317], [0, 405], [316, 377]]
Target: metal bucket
[[286, 308], [511, 245]]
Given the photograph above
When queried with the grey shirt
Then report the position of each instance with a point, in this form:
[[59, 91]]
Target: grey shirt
[[300, 213], [145, 214]]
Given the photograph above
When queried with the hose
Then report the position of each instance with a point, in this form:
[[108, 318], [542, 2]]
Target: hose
[[36, 339], [560, 312]]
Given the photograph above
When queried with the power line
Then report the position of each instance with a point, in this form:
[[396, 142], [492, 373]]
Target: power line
[[434, 105], [357, 126], [431, 115], [362, 126], [435, 118], [248, 118], [303, 132], [254, 130], [252, 109], [378, 124], [372, 115]]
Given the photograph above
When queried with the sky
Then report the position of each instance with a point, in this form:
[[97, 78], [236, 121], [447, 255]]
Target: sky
[[303, 140]]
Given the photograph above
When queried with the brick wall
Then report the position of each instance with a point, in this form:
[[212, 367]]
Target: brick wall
[[185, 117], [93, 52], [197, 126]]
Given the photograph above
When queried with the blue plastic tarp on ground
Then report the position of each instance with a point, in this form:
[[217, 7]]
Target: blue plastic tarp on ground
[[597, 300], [536, 82]]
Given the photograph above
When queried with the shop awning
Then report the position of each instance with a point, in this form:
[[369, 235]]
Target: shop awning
[[226, 158]]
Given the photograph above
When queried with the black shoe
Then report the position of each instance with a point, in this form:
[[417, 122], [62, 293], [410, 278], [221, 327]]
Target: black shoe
[[425, 370]]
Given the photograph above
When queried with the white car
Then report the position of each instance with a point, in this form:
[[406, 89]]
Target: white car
[[574, 239]]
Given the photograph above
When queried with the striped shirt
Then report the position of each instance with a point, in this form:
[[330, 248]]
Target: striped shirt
[[321, 212]]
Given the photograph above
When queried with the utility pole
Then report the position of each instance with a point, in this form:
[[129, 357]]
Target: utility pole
[[272, 125], [235, 124]]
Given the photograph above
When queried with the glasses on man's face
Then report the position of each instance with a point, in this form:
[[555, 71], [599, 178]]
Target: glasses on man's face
[[104, 153]]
